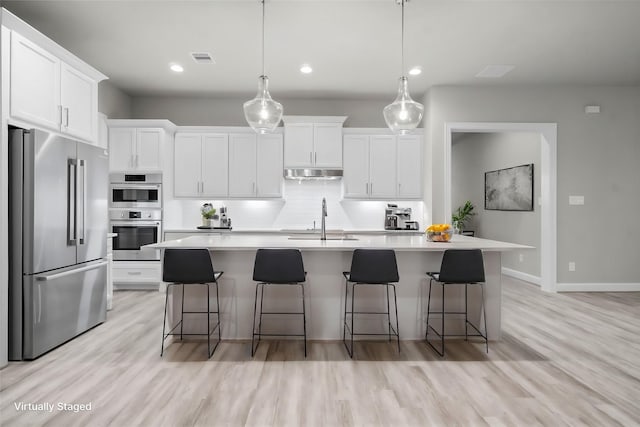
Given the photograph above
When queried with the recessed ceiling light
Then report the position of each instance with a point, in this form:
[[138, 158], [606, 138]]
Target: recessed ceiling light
[[415, 71], [495, 71], [306, 69], [177, 68]]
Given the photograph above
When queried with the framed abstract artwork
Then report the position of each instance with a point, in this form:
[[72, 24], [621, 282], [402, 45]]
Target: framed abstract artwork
[[509, 189]]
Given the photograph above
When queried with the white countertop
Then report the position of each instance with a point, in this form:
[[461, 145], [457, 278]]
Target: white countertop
[[289, 231], [243, 242], [110, 235]]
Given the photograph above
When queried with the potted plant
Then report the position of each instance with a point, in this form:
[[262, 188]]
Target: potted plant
[[461, 216], [208, 215]]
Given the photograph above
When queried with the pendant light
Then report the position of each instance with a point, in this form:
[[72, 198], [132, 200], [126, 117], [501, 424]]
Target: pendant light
[[404, 114], [263, 113]]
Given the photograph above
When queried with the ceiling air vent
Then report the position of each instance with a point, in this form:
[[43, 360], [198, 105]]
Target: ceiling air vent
[[202, 58]]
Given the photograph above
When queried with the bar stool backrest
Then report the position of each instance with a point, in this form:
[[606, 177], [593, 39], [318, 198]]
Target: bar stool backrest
[[187, 266], [462, 266], [374, 266], [278, 266]]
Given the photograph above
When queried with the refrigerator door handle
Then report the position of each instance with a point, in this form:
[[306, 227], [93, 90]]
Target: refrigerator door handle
[[71, 202], [39, 303], [82, 193], [47, 277]]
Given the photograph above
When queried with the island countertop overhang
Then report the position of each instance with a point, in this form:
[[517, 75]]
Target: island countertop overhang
[[419, 243]]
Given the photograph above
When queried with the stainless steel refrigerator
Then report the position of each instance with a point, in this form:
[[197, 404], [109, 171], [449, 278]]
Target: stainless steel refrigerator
[[58, 238]]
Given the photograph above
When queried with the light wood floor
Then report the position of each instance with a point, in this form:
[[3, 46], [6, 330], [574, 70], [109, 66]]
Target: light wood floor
[[565, 359]]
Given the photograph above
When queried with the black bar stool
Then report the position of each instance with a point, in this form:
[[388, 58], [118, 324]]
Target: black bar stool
[[371, 267], [277, 267], [190, 267], [459, 267]]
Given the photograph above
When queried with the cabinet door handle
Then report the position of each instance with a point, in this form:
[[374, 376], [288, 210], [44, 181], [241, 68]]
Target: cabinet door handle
[[371, 189], [253, 188], [399, 188], [60, 115], [134, 273], [66, 115], [316, 158]]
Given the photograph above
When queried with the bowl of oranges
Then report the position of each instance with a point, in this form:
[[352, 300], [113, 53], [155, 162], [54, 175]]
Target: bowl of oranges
[[439, 233]]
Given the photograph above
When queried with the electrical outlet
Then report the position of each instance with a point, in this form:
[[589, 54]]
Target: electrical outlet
[[572, 266], [521, 257]]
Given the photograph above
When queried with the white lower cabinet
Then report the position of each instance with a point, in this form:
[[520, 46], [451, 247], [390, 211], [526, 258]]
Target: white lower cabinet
[[382, 167], [136, 274]]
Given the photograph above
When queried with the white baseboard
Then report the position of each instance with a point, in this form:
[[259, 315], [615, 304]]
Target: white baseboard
[[521, 276], [598, 287]]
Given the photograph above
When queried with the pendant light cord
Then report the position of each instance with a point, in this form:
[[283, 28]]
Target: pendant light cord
[[263, 37], [402, 41]]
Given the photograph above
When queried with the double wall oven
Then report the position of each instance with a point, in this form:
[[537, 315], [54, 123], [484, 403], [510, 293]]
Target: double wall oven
[[135, 214]]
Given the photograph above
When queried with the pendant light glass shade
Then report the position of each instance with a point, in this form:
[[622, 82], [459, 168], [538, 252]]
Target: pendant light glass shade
[[404, 114], [263, 113]]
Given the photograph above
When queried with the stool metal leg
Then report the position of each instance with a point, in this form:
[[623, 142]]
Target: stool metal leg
[[484, 314], [466, 312], [253, 330], [442, 321], [386, 288], [344, 323], [182, 312], [353, 299], [261, 301], [395, 301], [218, 309], [208, 322], [164, 320], [304, 320], [426, 334]]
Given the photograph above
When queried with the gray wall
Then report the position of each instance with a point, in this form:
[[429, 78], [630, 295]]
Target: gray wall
[[193, 111], [598, 157], [473, 154], [113, 102]]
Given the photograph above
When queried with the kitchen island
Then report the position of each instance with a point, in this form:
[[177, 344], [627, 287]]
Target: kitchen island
[[324, 261]]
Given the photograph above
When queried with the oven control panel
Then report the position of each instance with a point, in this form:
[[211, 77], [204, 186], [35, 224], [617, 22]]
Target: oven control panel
[[139, 214]]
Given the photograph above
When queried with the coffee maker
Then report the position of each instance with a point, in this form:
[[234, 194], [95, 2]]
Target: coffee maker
[[396, 218], [225, 222]]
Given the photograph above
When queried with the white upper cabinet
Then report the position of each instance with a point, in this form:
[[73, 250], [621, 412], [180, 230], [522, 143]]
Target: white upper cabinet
[[356, 166], [35, 83], [327, 145], [298, 144], [48, 92], [269, 166], [255, 165], [409, 167], [201, 165], [242, 165], [79, 103], [382, 167], [314, 142], [137, 145]]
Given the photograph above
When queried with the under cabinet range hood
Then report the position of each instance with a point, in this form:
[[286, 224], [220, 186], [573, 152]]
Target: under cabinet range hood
[[312, 173]]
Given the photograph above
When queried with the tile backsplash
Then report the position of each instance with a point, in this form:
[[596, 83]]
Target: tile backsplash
[[299, 208]]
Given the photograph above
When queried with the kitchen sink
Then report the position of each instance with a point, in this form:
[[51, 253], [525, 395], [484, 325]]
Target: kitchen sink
[[317, 237]]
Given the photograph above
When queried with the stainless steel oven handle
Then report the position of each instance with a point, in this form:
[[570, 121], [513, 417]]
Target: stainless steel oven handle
[[135, 187], [135, 223]]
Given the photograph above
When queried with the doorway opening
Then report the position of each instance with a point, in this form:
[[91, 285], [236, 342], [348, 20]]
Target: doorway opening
[[548, 184]]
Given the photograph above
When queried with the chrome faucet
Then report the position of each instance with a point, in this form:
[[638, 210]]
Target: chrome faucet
[[323, 230]]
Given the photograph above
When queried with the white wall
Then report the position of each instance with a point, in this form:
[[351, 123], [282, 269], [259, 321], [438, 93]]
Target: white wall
[[473, 154], [194, 111], [597, 158], [113, 102]]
